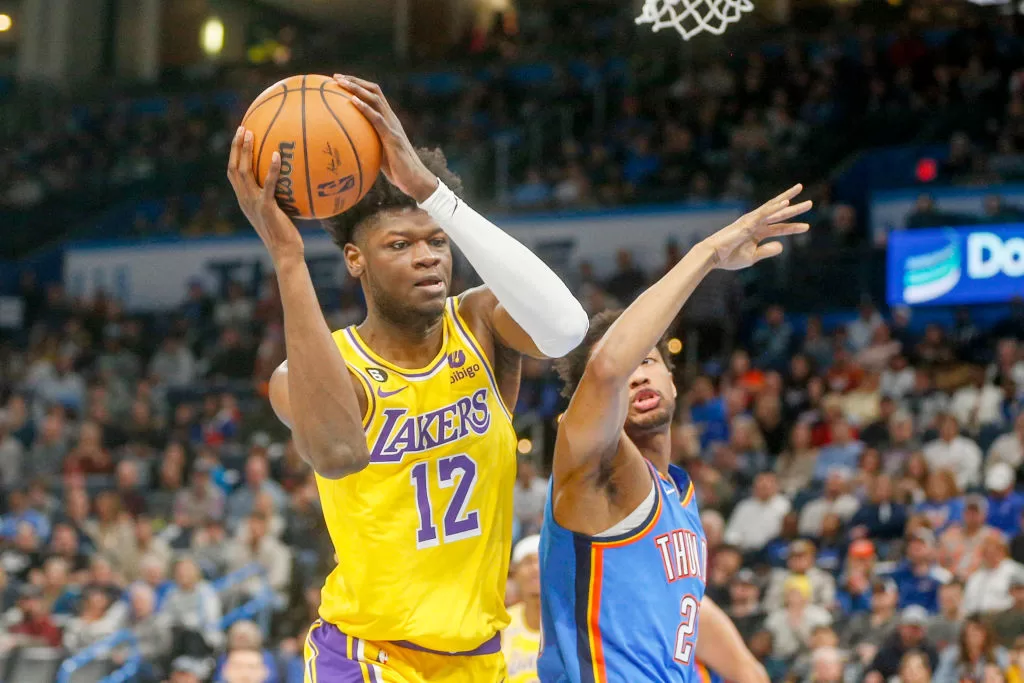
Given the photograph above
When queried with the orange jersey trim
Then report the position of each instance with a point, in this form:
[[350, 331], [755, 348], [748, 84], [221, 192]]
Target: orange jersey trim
[[689, 495], [594, 613]]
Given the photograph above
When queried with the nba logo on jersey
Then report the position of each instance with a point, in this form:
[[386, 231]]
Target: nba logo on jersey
[[457, 358]]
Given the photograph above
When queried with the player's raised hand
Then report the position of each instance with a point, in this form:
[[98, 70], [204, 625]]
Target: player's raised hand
[[277, 231], [400, 164], [739, 245]]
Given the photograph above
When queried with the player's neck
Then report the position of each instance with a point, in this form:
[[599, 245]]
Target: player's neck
[[413, 345], [656, 446]]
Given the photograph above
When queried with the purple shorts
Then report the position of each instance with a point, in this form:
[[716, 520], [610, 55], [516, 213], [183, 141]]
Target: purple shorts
[[333, 656]]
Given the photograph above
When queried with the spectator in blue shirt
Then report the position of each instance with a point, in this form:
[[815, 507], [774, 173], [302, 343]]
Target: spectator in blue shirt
[[943, 504], [1004, 504], [772, 340], [844, 451], [881, 519], [707, 412], [919, 576], [19, 511]]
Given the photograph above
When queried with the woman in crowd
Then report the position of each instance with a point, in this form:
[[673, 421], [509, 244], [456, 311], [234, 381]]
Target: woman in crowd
[[967, 660]]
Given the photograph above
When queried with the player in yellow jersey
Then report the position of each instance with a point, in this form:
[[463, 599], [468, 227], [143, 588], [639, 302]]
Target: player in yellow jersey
[[405, 417], [521, 640]]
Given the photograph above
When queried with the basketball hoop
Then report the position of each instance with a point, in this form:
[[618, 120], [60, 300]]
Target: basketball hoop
[[690, 17]]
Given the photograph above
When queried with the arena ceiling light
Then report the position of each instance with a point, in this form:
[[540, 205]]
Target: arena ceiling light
[[5, 22], [211, 37]]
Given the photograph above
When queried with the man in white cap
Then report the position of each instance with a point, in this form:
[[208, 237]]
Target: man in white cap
[[1004, 504], [521, 640]]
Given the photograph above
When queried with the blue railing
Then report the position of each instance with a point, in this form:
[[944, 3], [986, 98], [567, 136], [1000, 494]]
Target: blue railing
[[98, 650], [259, 609]]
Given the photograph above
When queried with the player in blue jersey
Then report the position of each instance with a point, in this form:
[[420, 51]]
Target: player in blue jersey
[[623, 553]]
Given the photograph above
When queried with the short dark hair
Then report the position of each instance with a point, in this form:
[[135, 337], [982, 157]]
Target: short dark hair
[[384, 196], [572, 366]]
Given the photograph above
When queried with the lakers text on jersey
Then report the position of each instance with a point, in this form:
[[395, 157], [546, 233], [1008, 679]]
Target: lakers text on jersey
[[423, 533]]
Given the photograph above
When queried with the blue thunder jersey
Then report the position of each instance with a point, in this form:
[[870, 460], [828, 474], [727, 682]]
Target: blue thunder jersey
[[625, 608]]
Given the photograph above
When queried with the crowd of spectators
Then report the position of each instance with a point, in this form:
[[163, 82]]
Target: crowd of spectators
[[860, 493], [592, 118], [858, 484]]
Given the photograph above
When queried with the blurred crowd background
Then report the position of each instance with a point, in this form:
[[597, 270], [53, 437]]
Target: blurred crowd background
[[857, 465]]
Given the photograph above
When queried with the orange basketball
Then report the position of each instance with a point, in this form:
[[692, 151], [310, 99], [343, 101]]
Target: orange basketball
[[330, 153]]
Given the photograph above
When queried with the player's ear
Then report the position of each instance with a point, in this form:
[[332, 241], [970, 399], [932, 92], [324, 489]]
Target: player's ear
[[675, 391], [354, 261]]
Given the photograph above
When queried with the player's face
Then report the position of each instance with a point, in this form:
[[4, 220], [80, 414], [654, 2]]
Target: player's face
[[528, 576], [406, 261], [652, 395]]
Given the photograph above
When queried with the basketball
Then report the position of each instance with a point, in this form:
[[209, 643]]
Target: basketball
[[330, 153]]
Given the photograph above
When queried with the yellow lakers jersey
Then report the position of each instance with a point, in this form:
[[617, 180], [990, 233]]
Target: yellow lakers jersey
[[520, 644], [423, 534]]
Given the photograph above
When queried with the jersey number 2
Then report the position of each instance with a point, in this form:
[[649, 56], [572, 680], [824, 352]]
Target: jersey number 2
[[458, 471], [689, 609]]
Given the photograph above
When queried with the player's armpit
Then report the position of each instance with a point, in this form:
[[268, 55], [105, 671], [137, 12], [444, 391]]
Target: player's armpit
[[599, 475]]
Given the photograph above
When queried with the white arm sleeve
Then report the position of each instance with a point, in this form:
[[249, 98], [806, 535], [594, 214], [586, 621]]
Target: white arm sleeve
[[532, 294]]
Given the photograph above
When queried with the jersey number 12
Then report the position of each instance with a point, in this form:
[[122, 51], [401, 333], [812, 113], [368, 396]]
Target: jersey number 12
[[456, 470]]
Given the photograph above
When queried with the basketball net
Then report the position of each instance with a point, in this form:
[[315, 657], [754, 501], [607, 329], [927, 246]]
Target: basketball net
[[690, 17]]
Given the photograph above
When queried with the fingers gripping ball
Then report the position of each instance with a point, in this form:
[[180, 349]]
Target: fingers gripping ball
[[330, 154]]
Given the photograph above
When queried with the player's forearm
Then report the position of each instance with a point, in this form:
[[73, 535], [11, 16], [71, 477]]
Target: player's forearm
[[721, 648], [640, 326], [326, 423], [532, 294]]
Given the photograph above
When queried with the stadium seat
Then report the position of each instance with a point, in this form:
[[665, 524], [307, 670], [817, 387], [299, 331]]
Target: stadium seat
[[36, 665]]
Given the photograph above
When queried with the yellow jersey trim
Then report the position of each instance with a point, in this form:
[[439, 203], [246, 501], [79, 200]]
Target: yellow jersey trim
[[416, 374], [314, 652], [462, 328]]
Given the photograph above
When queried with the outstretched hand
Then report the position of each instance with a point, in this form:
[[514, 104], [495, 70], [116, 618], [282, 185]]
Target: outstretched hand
[[259, 205], [740, 245], [401, 164]]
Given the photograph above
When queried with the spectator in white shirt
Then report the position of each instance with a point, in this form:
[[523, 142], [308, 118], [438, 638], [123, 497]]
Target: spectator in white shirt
[[1009, 363], [257, 545], [988, 588], [528, 497], [236, 310], [12, 455], [860, 331], [1009, 447], [791, 625], [979, 404], [955, 453], [758, 519], [898, 377], [173, 365], [834, 500]]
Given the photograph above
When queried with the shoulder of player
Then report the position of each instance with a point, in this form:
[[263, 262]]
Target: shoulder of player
[[358, 382], [477, 303]]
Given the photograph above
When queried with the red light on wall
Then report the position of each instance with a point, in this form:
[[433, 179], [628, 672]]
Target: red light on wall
[[926, 171]]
